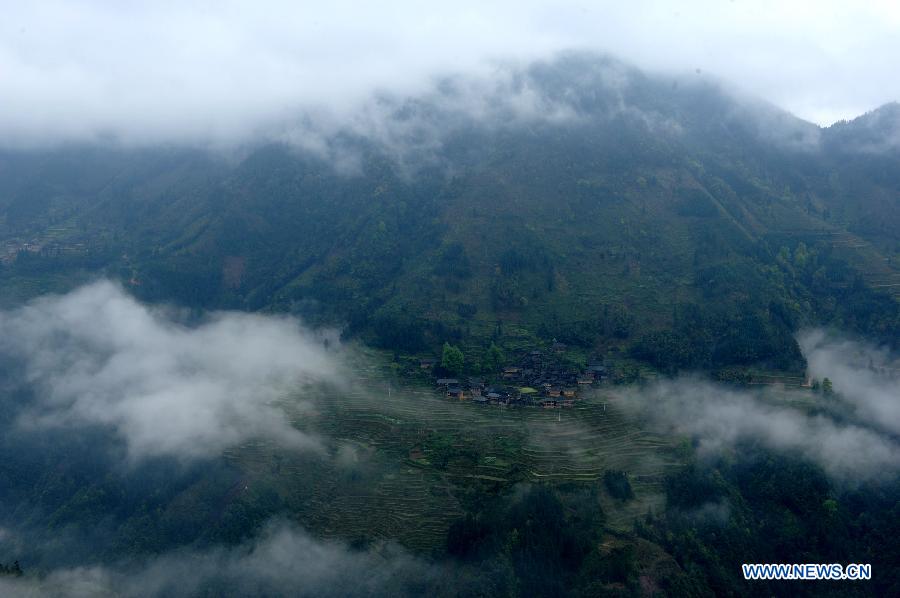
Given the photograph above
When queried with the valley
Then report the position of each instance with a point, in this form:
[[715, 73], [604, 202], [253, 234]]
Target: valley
[[406, 461]]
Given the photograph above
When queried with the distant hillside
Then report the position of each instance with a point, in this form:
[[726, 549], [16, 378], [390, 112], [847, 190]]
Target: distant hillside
[[578, 199]]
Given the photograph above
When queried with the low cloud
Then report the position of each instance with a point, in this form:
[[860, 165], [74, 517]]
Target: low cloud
[[875, 132], [863, 375], [191, 72], [568, 89], [719, 418], [97, 357], [283, 560], [413, 131], [710, 512]]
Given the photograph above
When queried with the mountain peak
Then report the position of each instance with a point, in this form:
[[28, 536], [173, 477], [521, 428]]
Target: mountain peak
[[873, 132]]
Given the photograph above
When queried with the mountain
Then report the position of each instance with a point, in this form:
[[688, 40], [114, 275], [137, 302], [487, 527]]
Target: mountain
[[578, 199], [661, 223]]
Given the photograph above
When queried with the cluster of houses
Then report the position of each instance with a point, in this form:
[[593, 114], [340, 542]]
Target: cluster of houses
[[536, 381], [11, 249]]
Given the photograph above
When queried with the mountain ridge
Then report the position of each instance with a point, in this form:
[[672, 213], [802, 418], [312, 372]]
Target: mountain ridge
[[577, 199]]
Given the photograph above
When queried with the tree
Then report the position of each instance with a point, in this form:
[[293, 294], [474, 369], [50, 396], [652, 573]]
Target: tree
[[617, 484], [801, 255], [493, 359], [452, 359], [827, 387], [14, 570]]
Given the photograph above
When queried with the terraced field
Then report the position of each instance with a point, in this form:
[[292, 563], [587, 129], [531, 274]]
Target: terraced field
[[401, 463], [877, 271]]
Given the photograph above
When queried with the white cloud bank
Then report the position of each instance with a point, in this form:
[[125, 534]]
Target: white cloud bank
[[862, 444], [216, 72], [866, 376], [98, 357], [282, 561], [719, 418]]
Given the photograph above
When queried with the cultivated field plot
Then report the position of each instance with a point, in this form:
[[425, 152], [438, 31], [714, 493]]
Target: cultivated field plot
[[403, 462]]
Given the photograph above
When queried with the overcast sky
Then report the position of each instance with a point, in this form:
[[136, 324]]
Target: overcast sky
[[208, 71]]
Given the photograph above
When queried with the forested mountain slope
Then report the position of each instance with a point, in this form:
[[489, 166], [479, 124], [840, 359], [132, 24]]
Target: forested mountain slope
[[578, 199]]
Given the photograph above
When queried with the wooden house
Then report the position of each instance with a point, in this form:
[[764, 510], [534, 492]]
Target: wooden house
[[454, 392], [511, 373]]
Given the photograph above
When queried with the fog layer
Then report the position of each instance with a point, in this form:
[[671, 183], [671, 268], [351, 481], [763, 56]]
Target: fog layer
[[202, 73], [282, 560], [850, 434], [96, 357], [866, 376]]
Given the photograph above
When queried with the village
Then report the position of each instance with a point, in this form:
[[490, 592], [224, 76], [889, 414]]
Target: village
[[536, 380], [12, 248]]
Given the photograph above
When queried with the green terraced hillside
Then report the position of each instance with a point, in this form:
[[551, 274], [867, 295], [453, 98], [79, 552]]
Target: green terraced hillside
[[420, 456]]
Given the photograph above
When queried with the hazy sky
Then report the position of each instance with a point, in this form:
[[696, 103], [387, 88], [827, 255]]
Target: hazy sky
[[193, 70]]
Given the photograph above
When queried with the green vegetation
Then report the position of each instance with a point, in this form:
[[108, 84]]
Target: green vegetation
[[493, 360], [617, 484], [700, 246], [540, 543], [702, 249], [521, 501], [758, 508], [14, 570], [452, 359]]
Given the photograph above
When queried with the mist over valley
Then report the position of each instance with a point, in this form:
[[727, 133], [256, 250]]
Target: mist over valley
[[502, 300]]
